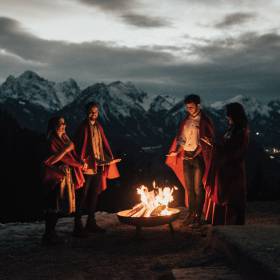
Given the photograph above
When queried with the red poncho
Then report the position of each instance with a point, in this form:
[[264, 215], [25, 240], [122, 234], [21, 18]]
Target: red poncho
[[56, 145], [226, 183], [82, 142]]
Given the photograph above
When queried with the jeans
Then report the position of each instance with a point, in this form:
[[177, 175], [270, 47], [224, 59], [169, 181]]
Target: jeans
[[193, 171], [87, 196]]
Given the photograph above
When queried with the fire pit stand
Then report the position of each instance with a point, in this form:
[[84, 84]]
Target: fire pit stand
[[140, 222]]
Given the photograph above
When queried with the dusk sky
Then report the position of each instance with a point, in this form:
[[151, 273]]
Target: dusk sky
[[216, 48]]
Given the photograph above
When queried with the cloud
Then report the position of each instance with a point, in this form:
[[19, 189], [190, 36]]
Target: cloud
[[18, 41], [235, 19], [215, 3], [145, 21], [92, 59], [128, 12], [246, 63], [111, 5]]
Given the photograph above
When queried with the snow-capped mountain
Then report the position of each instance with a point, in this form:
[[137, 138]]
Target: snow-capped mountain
[[31, 99], [162, 103], [124, 109], [32, 88], [117, 100], [252, 105], [121, 110], [67, 91]]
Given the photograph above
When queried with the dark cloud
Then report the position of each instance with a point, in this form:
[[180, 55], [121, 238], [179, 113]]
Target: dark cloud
[[95, 59], [145, 21], [235, 19], [128, 13], [111, 5], [244, 64], [18, 41], [215, 3]]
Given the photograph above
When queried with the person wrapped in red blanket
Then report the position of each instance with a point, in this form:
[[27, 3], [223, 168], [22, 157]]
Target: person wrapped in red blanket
[[93, 148], [62, 175], [226, 185]]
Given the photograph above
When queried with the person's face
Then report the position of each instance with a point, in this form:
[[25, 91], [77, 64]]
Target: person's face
[[192, 108], [93, 113], [61, 126], [229, 119]]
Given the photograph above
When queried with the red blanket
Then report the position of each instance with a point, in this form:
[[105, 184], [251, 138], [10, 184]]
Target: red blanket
[[82, 142], [206, 129], [56, 145]]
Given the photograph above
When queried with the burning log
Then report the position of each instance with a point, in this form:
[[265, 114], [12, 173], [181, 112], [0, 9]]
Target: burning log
[[140, 213], [153, 203], [135, 209], [153, 209], [157, 211]]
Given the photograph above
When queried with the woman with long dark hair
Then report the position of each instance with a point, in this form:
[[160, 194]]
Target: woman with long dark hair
[[62, 175], [226, 187]]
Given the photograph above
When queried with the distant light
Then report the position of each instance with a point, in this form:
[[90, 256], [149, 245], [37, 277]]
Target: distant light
[[272, 157], [257, 133]]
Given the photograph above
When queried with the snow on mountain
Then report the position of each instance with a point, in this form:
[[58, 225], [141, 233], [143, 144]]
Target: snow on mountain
[[252, 106], [67, 91], [162, 103], [121, 111], [275, 105], [125, 97], [124, 108], [117, 100], [36, 90], [126, 91]]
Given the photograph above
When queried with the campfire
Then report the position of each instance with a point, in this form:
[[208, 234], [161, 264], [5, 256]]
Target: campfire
[[153, 210], [153, 203]]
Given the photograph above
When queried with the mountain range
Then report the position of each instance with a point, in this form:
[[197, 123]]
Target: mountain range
[[125, 110]]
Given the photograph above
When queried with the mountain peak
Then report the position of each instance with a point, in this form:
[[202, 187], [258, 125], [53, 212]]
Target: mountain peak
[[30, 87], [162, 102], [30, 75], [251, 105], [116, 83]]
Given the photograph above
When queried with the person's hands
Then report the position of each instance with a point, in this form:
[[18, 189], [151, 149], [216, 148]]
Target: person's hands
[[85, 166], [197, 152], [70, 147], [172, 154], [188, 158]]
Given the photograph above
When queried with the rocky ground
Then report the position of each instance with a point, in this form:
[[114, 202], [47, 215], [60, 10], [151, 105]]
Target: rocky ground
[[119, 254]]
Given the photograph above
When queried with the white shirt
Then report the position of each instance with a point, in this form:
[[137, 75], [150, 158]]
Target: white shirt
[[189, 138]]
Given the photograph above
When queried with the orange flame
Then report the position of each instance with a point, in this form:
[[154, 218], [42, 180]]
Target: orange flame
[[155, 198]]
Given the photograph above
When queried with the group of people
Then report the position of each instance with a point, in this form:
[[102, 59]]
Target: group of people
[[212, 172]]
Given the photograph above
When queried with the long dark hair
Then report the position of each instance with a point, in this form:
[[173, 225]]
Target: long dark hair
[[237, 113], [52, 125]]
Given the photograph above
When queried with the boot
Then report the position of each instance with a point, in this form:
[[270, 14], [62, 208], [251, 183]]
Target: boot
[[51, 239], [92, 227], [50, 236], [79, 230], [189, 219]]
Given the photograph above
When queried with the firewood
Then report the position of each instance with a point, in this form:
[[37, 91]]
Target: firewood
[[157, 211], [135, 209], [146, 213], [140, 213]]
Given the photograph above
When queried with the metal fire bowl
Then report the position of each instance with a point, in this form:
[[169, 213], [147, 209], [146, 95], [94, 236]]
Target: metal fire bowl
[[148, 221]]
